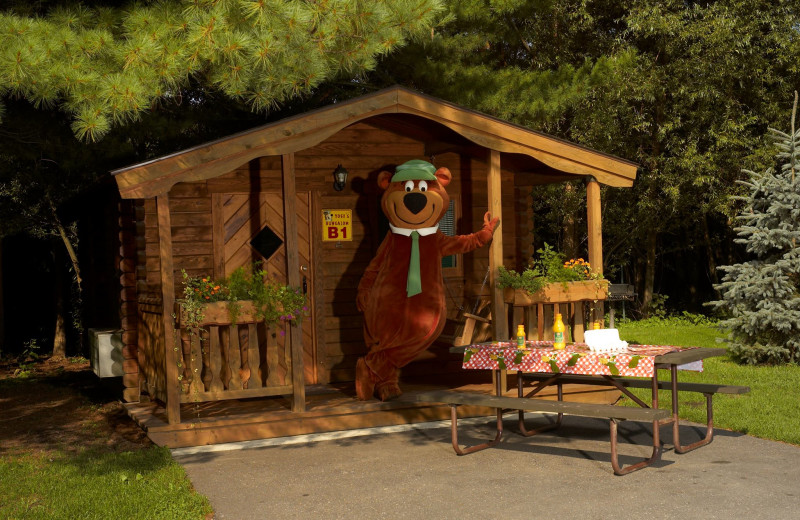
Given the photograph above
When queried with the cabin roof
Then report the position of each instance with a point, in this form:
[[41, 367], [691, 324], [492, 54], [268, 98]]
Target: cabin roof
[[538, 157]]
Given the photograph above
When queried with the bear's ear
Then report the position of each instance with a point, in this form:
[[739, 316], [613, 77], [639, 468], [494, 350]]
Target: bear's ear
[[444, 176], [384, 178]]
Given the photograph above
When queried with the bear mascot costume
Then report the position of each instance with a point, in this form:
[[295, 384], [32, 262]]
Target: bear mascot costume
[[402, 291]]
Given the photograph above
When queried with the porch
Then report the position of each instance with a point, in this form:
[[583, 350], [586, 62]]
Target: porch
[[332, 407]]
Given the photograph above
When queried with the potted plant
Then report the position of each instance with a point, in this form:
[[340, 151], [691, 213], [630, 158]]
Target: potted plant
[[246, 296], [552, 278]]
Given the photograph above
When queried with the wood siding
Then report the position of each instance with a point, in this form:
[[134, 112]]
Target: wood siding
[[128, 309]]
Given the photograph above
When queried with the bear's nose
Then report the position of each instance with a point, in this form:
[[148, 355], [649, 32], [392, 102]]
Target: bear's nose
[[415, 202]]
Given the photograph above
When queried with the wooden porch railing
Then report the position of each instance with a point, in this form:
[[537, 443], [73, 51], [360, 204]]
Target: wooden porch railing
[[537, 311], [225, 360]]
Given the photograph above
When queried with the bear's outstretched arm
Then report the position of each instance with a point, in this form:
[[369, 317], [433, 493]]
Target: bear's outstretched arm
[[371, 273], [467, 243]]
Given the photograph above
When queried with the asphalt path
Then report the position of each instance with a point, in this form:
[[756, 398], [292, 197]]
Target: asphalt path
[[414, 474]]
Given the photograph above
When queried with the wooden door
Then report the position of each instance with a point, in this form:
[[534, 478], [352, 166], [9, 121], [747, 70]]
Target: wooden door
[[250, 228]]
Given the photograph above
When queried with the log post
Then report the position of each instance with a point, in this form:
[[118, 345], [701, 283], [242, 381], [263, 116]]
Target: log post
[[168, 305], [595, 234], [293, 278], [499, 315]]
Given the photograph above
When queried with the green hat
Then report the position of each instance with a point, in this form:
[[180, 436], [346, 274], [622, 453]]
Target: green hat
[[413, 170]]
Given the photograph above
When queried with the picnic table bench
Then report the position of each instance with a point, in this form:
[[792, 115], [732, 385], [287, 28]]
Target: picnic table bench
[[501, 403], [623, 383]]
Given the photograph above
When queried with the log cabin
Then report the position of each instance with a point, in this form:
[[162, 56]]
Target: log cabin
[[263, 195]]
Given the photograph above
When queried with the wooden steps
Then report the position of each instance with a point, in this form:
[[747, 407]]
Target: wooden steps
[[329, 408]]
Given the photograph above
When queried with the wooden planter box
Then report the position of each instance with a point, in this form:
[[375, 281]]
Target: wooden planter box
[[559, 293], [217, 313]]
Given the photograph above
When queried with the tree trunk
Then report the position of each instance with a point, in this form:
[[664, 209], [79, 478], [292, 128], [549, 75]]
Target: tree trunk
[[60, 333], [73, 257], [2, 309], [638, 278], [710, 258], [569, 245], [649, 273]]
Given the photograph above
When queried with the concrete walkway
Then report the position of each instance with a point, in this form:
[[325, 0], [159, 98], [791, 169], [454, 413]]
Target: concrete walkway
[[415, 474]]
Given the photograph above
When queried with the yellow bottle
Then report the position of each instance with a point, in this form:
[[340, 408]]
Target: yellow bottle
[[521, 336], [597, 325], [558, 333]]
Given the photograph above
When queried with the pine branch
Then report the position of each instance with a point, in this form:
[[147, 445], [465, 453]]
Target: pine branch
[[105, 67]]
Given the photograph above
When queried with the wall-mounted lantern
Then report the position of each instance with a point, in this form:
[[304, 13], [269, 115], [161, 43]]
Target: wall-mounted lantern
[[339, 178]]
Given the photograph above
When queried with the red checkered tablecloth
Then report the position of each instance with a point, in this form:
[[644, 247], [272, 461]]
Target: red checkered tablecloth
[[576, 358]]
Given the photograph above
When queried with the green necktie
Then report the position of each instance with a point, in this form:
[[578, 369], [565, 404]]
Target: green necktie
[[414, 283]]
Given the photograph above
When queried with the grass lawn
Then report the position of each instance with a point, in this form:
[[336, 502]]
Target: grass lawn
[[769, 411], [96, 483], [69, 451]]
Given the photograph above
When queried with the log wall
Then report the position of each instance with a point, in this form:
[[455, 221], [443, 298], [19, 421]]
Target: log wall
[[128, 304]]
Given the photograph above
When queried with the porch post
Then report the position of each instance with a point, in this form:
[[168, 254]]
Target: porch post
[[499, 316], [293, 278], [595, 233], [167, 308]]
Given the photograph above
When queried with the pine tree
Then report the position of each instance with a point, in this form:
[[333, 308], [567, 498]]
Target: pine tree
[[762, 295], [105, 66]]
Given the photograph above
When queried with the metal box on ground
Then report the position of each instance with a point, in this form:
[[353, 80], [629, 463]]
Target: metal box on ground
[[106, 347]]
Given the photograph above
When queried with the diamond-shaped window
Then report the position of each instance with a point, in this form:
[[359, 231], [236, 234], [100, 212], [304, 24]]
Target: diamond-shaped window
[[266, 242]]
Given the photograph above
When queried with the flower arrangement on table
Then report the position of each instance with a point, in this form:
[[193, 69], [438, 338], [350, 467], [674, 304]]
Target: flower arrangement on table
[[272, 301], [549, 268]]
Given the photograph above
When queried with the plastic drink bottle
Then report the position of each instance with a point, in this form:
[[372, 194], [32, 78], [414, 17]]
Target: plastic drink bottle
[[520, 336], [558, 333]]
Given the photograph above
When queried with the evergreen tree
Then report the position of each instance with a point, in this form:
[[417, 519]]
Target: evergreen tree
[[762, 295], [107, 65]]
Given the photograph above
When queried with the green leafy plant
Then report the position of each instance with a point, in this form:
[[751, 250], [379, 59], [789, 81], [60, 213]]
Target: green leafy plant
[[28, 358], [658, 305], [273, 302], [549, 267]]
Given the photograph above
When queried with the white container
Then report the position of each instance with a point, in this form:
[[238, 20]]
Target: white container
[[604, 340], [106, 347]]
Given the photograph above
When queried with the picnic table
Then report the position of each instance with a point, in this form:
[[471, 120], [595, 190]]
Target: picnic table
[[540, 365]]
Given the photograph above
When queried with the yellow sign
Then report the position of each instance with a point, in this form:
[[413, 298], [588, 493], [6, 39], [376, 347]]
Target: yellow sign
[[337, 225]]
